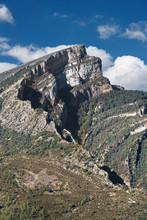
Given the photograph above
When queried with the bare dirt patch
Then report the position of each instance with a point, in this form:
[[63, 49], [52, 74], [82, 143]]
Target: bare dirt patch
[[42, 179]]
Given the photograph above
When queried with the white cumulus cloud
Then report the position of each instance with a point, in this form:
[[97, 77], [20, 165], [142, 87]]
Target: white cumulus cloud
[[4, 43], [5, 14], [6, 66], [106, 31], [128, 71], [23, 53], [28, 53]]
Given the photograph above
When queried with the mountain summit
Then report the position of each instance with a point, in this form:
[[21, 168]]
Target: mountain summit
[[56, 83], [61, 70]]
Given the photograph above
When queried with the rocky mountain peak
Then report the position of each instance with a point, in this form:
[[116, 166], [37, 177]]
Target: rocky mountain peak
[[61, 81], [62, 69], [56, 84]]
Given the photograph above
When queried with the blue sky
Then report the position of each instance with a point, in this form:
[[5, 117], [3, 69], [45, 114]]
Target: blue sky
[[115, 30]]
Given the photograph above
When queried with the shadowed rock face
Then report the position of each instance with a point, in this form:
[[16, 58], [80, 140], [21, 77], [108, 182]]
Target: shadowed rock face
[[112, 175]]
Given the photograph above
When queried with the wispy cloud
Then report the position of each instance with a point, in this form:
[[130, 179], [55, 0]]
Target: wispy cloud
[[106, 31], [4, 43], [81, 23], [98, 16], [86, 21], [138, 35], [5, 14], [137, 31], [59, 15], [4, 39], [6, 66]]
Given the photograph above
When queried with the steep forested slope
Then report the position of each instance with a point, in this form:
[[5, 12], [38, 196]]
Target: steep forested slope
[[113, 128]]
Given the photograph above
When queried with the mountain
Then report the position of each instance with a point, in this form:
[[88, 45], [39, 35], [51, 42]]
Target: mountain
[[72, 145]]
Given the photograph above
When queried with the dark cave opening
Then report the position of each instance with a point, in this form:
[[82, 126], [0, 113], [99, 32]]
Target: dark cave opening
[[32, 95]]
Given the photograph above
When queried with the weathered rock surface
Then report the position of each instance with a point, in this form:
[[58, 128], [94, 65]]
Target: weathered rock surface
[[63, 69], [61, 81], [56, 84]]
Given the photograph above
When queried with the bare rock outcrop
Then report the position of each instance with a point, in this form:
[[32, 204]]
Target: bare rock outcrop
[[63, 69], [56, 84], [60, 81]]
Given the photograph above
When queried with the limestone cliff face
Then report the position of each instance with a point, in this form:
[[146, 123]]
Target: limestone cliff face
[[52, 88], [59, 82], [60, 70]]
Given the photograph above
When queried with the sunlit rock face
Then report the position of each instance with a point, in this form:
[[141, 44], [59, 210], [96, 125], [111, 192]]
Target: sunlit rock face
[[62, 69], [59, 82]]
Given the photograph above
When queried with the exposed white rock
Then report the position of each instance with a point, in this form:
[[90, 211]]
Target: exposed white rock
[[139, 129], [124, 115], [69, 67]]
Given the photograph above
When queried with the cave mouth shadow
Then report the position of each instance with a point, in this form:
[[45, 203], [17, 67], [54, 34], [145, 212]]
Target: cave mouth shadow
[[112, 175], [33, 96]]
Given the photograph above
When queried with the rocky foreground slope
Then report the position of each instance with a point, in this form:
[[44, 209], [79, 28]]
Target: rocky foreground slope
[[72, 146]]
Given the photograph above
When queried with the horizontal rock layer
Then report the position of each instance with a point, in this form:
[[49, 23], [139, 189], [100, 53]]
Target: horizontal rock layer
[[62, 69], [54, 85]]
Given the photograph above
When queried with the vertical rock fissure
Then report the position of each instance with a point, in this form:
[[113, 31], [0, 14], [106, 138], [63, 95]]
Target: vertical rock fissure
[[139, 149]]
